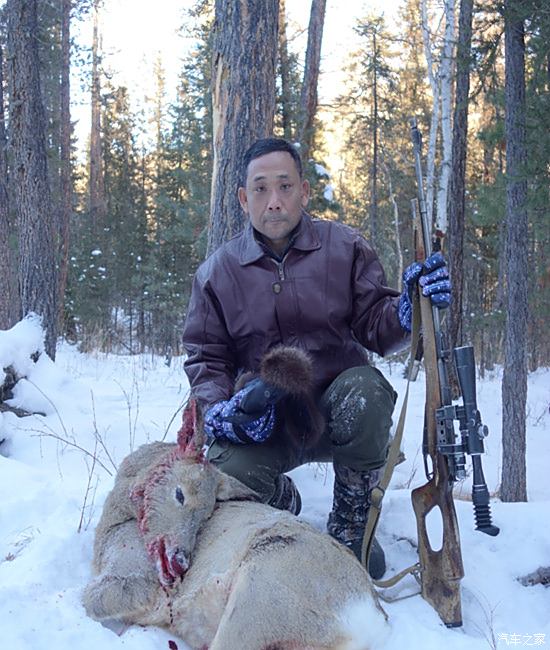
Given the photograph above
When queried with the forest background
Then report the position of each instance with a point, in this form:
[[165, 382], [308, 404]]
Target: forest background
[[103, 240]]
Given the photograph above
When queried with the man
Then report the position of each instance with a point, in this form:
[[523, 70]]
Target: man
[[318, 286]]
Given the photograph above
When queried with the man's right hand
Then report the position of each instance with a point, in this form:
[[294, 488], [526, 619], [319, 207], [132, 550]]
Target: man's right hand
[[249, 416]]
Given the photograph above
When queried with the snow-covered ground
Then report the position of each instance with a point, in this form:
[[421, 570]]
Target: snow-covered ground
[[56, 470]]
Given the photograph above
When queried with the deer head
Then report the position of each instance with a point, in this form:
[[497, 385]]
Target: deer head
[[178, 495]]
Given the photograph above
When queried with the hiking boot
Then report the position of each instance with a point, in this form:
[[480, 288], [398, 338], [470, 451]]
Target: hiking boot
[[377, 558], [350, 510], [286, 495]]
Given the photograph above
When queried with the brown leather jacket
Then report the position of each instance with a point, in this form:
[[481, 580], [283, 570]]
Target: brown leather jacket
[[327, 296]]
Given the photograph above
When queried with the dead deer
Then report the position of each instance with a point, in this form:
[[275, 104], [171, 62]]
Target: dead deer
[[183, 546]]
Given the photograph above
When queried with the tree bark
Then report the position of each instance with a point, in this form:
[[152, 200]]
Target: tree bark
[[243, 98], [457, 192], [9, 297], [65, 207], [514, 379], [308, 95], [37, 268], [97, 185]]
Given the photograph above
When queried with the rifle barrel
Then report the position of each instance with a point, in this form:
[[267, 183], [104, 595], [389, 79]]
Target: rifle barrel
[[444, 385]]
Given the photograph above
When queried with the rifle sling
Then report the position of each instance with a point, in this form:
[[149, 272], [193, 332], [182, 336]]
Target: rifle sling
[[377, 493]]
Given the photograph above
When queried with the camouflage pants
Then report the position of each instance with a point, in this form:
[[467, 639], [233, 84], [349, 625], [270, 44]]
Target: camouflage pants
[[358, 406]]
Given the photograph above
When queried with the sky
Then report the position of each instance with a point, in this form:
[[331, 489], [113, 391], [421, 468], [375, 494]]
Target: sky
[[104, 406], [134, 35]]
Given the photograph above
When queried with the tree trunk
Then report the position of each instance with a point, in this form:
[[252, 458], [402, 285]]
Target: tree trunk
[[284, 72], [65, 207], [434, 123], [9, 297], [308, 96], [514, 379], [97, 186], [457, 196], [446, 68], [37, 269], [374, 168], [243, 98]]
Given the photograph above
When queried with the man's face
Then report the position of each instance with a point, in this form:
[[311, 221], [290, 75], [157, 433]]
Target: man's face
[[274, 197]]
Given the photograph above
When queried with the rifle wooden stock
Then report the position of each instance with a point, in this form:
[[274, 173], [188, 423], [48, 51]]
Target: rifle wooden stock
[[441, 570]]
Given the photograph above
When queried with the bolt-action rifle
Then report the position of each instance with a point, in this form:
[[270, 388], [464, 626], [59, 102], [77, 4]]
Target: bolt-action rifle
[[444, 452]]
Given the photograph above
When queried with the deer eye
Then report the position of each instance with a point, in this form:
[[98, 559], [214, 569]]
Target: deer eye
[[179, 495]]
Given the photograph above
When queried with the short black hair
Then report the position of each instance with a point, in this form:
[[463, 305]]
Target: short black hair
[[265, 146]]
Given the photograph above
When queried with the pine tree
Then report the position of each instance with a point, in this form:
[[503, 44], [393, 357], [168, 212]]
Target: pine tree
[[9, 298], [243, 97], [538, 175], [181, 191], [308, 94], [109, 254], [65, 167], [288, 82], [372, 141], [457, 185], [486, 275], [33, 206]]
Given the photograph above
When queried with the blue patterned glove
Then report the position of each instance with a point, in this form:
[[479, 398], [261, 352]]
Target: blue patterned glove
[[249, 416], [433, 277]]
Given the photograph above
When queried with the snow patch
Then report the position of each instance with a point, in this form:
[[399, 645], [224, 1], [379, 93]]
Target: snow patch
[[18, 343], [328, 193], [321, 171]]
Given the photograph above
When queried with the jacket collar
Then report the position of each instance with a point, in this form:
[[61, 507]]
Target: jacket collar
[[306, 239]]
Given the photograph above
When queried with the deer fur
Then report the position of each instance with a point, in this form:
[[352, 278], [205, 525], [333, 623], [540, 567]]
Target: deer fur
[[183, 546]]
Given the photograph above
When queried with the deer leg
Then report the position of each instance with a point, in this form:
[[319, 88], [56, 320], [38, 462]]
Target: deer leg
[[118, 597], [128, 584]]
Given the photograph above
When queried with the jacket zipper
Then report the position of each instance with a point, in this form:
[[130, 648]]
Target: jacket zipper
[[280, 266], [281, 274]]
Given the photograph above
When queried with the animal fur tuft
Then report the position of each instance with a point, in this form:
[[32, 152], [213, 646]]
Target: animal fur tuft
[[297, 415], [291, 369], [288, 368]]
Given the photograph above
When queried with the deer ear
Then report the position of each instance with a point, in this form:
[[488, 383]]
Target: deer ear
[[231, 489]]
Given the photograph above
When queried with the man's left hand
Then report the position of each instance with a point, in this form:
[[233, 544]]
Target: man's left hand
[[435, 281], [433, 278]]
